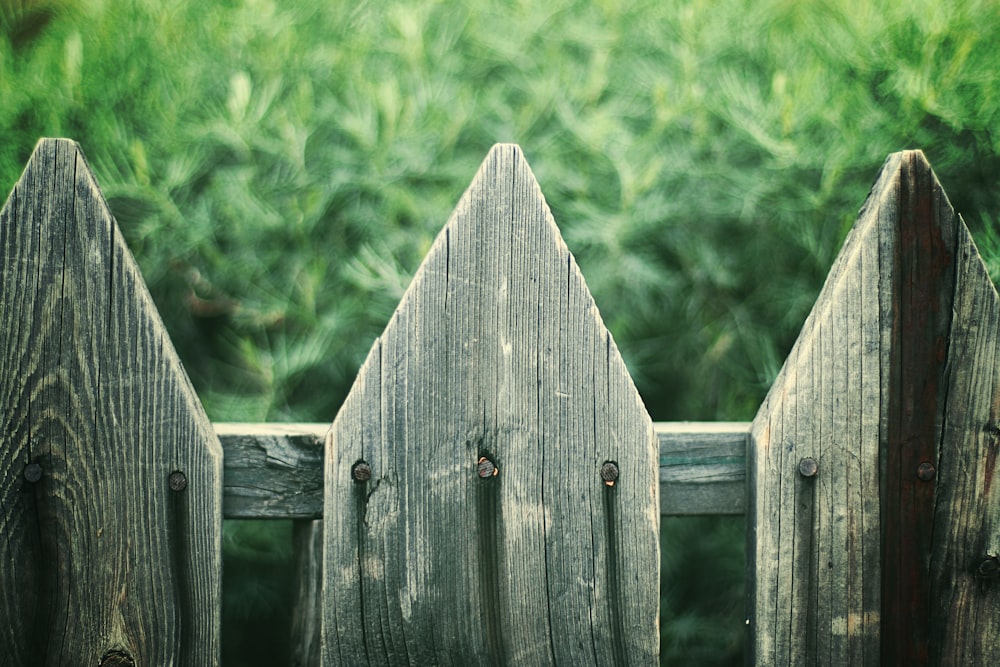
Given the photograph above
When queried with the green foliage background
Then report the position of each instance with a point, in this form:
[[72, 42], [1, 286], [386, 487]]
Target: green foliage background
[[280, 168]]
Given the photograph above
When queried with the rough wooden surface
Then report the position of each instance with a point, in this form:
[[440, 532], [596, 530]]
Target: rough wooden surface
[[813, 554], [307, 549], [100, 559], [883, 551], [496, 359], [702, 467], [275, 471], [964, 567], [272, 471], [920, 307]]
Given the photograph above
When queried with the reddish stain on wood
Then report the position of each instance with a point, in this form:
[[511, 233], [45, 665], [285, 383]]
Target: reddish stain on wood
[[922, 291]]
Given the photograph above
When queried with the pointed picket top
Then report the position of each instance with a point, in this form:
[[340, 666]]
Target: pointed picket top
[[871, 461], [466, 517], [110, 473]]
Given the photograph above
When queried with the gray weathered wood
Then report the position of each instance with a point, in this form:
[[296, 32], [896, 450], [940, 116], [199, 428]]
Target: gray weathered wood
[[307, 548], [891, 388], [702, 467], [275, 471], [272, 471], [813, 542], [100, 559], [964, 568], [496, 352]]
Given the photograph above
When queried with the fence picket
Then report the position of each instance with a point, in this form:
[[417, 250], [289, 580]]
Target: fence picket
[[870, 471], [964, 572], [465, 513], [813, 553], [110, 473], [484, 414]]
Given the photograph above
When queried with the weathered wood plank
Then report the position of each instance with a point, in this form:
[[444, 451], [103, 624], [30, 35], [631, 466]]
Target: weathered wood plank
[[814, 534], [920, 305], [481, 531], [886, 552], [272, 471], [275, 471], [110, 473], [307, 548], [702, 467], [964, 581]]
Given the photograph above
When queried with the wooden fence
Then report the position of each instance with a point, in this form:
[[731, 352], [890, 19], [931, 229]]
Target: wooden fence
[[490, 492]]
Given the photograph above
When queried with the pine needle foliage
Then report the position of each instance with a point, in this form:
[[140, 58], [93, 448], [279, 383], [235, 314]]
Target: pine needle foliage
[[279, 170]]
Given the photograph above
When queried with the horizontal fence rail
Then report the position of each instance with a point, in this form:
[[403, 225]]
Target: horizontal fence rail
[[275, 471]]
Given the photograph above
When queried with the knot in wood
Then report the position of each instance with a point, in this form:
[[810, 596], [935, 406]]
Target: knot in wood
[[993, 430], [117, 659], [178, 481], [808, 467], [486, 468], [989, 568], [926, 471], [361, 472], [609, 473], [32, 472]]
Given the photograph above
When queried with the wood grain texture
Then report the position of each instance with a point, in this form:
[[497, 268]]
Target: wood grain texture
[[887, 554], [272, 471], [99, 556], [920, 304], [814, 543], [275, 471], [702, 467], [964, 568], [497, 351], [307, 550]]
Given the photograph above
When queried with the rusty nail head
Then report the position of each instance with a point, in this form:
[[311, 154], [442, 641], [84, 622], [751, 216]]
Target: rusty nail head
[[178, 481], [926, 471], [32, 472], [117, 659], [808, 467], [609, 473], [486, 468], [361, 472]]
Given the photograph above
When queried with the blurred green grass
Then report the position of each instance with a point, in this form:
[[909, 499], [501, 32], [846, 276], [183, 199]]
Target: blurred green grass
[[279, 170]]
